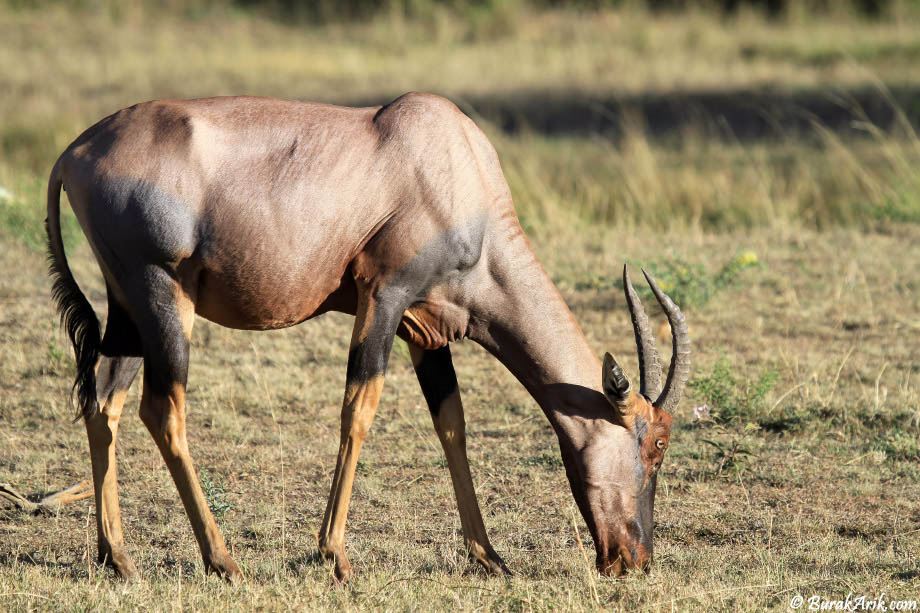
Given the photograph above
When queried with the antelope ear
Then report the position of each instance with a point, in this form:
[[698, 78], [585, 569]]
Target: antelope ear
[[616, 386]]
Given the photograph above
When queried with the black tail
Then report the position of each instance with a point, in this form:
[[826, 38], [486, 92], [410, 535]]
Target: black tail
[[77, 315]]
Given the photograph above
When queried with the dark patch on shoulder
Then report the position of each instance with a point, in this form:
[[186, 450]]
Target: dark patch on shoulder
[[293, 148], [437, 377], [452, 252]]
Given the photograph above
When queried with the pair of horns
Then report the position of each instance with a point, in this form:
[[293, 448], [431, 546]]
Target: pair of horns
[[617, 386]]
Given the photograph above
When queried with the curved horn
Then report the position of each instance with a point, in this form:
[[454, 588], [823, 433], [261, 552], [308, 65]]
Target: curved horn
[[649, 367], [680, 360]]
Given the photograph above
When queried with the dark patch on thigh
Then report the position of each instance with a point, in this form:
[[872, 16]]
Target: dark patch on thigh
[[121, 337], [437, 377], [166, 363], [121, 352], [132, 218], [159, 324], [115, 374]]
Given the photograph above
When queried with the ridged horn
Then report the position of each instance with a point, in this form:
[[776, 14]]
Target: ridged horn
[[649, 366], [680, 358]]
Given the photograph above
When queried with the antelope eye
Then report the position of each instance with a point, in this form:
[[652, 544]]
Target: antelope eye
[[659, 443]]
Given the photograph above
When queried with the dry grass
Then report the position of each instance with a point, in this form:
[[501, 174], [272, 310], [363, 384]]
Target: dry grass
[[64, 70], [810, 489], [825, 504]]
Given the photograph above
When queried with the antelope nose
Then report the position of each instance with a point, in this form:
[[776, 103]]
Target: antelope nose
[[634, 556], [642, 558], [611, 569]]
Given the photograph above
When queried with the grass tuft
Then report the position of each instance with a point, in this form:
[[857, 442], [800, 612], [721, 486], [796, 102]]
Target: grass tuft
[[214, 493]]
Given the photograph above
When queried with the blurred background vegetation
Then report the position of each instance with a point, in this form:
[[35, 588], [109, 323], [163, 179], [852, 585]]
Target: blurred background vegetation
[[717, 115], [349, 10]]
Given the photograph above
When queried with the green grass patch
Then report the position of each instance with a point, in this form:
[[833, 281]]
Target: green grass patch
[[731, 396], [899, 209], [23, 210], [688, 284], [214, 493]]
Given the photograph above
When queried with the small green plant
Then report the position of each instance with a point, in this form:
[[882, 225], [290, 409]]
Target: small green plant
[[56, 356], [689, 285], [214, 493], [730, 396], [17, 220], [728, 455], [545, 459], [733, 454]]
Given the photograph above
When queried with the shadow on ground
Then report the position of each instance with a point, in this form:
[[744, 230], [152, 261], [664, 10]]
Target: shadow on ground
[[740, 114]]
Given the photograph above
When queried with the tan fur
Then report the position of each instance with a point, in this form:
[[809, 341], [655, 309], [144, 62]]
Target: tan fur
[[261, 213], [102, 430], [357, 415], [165, 419]]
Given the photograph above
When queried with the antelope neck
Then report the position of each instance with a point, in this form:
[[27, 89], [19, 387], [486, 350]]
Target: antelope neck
[[524, 322]]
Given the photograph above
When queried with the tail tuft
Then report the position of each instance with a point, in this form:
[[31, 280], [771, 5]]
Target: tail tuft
[[77, 315]]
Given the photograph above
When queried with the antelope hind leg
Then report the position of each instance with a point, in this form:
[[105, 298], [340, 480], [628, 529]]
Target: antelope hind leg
[[435, 371], [166, 326], [114, 373]]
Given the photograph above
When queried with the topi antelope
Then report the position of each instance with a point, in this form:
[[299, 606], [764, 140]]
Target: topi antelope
[[259, 214]]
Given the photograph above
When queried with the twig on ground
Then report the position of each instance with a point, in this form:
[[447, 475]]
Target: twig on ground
[[51, 503]]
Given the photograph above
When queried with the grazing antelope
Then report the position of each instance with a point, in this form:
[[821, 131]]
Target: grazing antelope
[[259, 214]]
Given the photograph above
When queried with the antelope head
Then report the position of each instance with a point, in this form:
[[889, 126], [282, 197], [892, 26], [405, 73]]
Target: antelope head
[[621, 474]]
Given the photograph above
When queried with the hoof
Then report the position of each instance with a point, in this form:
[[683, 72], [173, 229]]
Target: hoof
[[611, 569], [342, 566], [342, 571], [490, 561], [225, 568], [117, 558]]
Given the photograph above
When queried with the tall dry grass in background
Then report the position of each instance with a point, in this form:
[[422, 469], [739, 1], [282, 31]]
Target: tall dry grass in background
[[67, 67]]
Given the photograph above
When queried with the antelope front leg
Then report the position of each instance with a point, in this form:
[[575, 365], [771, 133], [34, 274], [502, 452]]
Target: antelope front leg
[[371, 343], [435, 371]]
